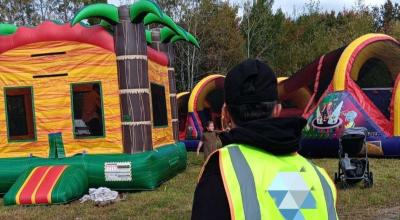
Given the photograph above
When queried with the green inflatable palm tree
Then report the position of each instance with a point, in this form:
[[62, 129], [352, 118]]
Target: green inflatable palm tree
[[126, 23]]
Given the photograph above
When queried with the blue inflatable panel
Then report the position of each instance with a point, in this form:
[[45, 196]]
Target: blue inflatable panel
[[191, 145]]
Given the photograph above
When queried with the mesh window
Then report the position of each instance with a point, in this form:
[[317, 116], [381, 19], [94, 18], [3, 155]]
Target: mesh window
[[158, 101], [20, 114], [87, 110]]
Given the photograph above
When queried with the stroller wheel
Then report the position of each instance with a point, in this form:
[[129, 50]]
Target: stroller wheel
[[343, 185], [368, 181]]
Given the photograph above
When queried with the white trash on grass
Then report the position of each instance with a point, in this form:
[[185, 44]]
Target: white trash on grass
[[101, 196]]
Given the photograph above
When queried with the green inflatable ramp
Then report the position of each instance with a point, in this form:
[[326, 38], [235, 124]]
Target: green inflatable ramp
[[48, 185]]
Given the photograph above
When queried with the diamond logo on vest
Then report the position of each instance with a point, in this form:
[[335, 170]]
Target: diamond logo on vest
[[291, 194]]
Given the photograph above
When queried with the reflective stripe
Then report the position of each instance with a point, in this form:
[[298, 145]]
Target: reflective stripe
[[327, 194], [245, 178]]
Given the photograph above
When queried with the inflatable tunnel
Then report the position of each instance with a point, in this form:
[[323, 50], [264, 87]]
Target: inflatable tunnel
[[353, 86], [293, 102]]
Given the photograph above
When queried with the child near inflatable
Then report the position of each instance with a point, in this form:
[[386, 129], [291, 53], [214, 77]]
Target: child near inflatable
[[209, 141]]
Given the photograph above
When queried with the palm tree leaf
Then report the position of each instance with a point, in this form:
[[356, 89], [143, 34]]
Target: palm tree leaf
[[106, 12], [167, 34], [177, 38], [7, 29], [192, 39], [142, 8], [184, 32], [149, 38], [164, 20], [105, 25]]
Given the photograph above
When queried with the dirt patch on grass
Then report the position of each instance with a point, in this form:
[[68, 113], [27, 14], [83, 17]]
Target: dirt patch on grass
[[388, 213]]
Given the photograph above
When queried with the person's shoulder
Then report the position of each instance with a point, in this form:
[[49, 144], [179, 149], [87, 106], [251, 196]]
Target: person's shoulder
[[211, 167]]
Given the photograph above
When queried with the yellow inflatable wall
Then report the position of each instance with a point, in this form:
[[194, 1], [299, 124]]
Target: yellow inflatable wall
[[52, 96]]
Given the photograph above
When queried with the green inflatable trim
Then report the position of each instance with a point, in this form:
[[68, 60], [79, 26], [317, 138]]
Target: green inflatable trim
[[71, 185], [169, 35], [164, 20], [7, 29], [148, 170], [166, 34], [189, 37], [177, 38], [192, 39], [105, 24], [56, 146], [149, 39], [104, 11], [142, 8]]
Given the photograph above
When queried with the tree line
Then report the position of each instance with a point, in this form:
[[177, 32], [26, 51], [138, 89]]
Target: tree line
[[229, 33]]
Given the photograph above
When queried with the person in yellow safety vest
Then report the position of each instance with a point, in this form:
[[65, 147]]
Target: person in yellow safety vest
[[259, 174]]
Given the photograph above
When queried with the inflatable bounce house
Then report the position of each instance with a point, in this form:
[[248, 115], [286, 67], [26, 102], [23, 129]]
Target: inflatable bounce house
[[89, 106], [205, 101], [353, 86]]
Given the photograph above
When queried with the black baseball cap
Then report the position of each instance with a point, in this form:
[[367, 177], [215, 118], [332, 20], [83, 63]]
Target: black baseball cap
[[251, 81]]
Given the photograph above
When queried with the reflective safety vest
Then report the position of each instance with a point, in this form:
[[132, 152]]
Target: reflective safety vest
[[260, 185]]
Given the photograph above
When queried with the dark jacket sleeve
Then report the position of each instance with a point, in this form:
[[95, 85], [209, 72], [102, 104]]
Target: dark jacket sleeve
[[210, 201]]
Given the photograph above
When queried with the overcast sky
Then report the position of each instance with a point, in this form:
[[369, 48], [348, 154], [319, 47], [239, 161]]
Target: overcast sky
[[289, 6]]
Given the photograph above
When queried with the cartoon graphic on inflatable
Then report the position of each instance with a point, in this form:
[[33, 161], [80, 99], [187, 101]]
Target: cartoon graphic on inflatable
[[342, 98], [89, 106]]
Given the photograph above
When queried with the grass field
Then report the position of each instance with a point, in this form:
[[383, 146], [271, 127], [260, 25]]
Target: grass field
[[173, 200]]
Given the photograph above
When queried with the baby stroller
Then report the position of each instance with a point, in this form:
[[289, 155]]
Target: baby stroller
[[351, 169]]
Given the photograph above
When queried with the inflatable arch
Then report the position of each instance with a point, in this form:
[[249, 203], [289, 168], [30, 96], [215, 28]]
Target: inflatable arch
[[340, 101], [380, 46], [205, 103]]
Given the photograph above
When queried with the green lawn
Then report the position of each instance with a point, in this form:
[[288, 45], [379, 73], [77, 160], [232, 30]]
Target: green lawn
[[173, 200]]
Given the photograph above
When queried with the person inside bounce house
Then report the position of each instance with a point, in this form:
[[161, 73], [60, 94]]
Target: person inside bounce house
[[258, 174]]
